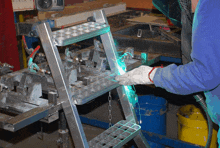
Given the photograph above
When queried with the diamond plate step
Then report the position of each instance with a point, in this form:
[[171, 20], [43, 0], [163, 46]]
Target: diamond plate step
[[79, 33], [116, 136]]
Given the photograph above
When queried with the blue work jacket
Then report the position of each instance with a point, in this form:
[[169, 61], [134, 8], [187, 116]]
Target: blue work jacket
[[203, 73]]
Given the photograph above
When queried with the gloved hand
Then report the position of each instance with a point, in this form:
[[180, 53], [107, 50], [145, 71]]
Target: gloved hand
[[137, 76]]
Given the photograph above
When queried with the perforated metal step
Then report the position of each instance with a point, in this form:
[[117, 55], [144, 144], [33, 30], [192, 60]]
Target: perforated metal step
[[116, 136], [95, 89], [79, 33]]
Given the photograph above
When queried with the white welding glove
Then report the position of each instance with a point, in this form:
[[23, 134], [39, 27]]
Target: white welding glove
[[137, 76]]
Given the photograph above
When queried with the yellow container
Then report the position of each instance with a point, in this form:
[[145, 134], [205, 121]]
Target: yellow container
[[193, 127]]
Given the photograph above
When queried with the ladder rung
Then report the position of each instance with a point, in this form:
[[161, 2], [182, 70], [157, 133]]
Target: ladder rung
[[116, 136], [95, 89], [79, 33]]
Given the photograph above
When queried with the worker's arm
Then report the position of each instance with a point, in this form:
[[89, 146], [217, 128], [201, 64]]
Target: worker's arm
[[203, 73]]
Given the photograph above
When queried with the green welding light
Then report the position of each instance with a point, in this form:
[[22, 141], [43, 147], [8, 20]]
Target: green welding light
[[129, 92], [144, 57]]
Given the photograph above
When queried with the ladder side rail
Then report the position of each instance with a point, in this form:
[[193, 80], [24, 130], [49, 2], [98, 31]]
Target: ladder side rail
[[112, 56], [61, 83]]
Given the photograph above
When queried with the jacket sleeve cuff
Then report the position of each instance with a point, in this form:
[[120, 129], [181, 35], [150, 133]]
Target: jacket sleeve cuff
[[156, 77]]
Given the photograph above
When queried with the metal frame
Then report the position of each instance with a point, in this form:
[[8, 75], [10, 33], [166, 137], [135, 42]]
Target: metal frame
[[68, 105], [29, 111]]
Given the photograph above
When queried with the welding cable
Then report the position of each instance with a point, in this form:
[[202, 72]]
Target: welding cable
[[32, 65], [25, 43], [29, 51], [34, 52], [201, 101]]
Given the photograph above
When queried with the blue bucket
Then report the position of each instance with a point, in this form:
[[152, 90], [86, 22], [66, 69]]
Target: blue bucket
[[151, 114]]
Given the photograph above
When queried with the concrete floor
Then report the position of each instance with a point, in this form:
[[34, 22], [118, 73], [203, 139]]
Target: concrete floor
[[47, 140], [31, 138]]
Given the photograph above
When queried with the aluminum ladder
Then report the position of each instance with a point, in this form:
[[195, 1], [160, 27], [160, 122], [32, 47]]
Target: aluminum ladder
[[120, 133]]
